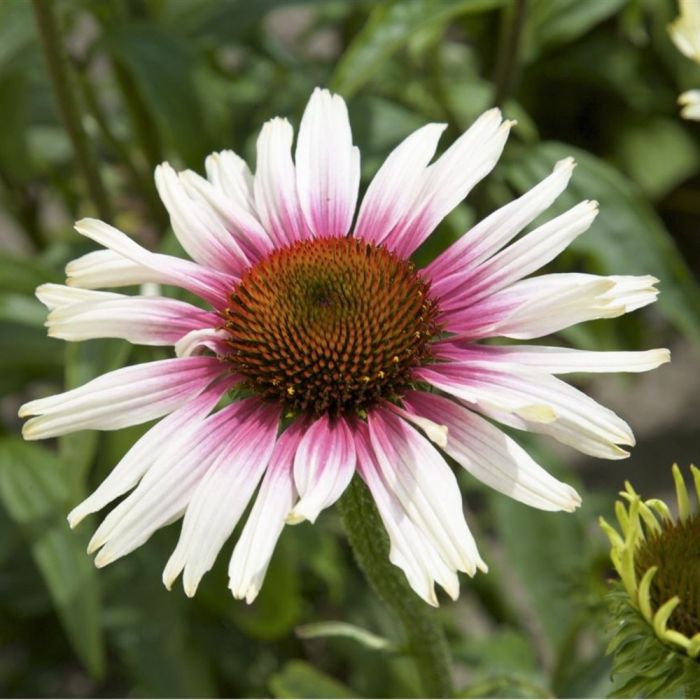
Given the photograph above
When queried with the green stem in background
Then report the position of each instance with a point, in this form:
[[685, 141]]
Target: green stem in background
[[59, 72], [142, 182], [424, 634], [509, 51]]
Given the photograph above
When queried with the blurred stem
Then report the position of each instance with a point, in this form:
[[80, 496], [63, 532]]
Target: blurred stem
[[508, 51], [425, 636], [141, 181], [59, 72]]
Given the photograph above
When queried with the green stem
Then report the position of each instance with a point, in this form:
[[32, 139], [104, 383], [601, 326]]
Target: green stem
[[509, 51], [424, 634], [59, 71]]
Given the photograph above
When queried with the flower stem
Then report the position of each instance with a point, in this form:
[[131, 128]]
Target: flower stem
[[59, 71], [424, 634], [509, 51]]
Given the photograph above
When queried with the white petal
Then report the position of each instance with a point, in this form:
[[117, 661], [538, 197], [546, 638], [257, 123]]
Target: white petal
[[211, 285], [220, 498], [105, 268], [392, 193], [556, 360], [690, 103], [53, 296], [230, 174], [323, 467], [210, 338], [140, 320], [253, 551], [327, 165], [448, 181], [491, 456], [275, 185], [492, 233], [143, 454], [126, 396], [421, 480], [197, 227]]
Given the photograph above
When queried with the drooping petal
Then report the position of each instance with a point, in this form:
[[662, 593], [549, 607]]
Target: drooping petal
[[411, 549], [535, 401], [392, 193], [126, 396], [219, 499], [253, 551], [200, 232], [211, 285], [234, 218], [491, 456], [105, 268], [167, 487], [327, 166], [523, 257], [448, 181], [275, 185], [423, 483], [323, 466], [54, 296], [140, 320], [490, 235], [213, 339], [556, 360], [145, 451]]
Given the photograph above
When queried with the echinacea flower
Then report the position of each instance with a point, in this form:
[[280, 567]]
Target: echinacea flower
[[345, 357], [685, 32], [656, 604]]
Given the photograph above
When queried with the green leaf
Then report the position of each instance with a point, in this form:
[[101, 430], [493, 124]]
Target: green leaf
[[658, 154], [35, 497], [344, 629], [298, 679], [22, 276], [553, 22], [388, 28], [162, 66], [627, 238]]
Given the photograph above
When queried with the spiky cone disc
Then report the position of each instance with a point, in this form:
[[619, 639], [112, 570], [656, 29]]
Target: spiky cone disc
[[656, 603]]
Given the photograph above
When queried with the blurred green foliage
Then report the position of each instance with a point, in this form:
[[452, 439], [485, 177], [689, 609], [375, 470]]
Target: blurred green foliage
[[176, 79]]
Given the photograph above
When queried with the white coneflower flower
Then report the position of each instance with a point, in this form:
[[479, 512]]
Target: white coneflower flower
[[685, 32], [337, 337]]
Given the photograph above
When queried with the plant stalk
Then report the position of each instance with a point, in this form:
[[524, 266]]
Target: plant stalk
[[59, 72], [424, 634], [509, 52]]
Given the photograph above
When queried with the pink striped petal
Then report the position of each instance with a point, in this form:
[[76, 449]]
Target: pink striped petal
[[219, 499], [421, 480], [140, 320], [126, 396], [327, 166], [242, 225], [391, 195], [323, 466], [211, 285], [275, 185], [411, 549], [492, 233], [200, 232], [491, 456], [145, 451], [448, 181], [253, 551], [523, 257], [167, 487]]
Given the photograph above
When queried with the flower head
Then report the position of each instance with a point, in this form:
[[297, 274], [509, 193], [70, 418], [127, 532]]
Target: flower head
[[658, 560], [346, 358], [685, 32]]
